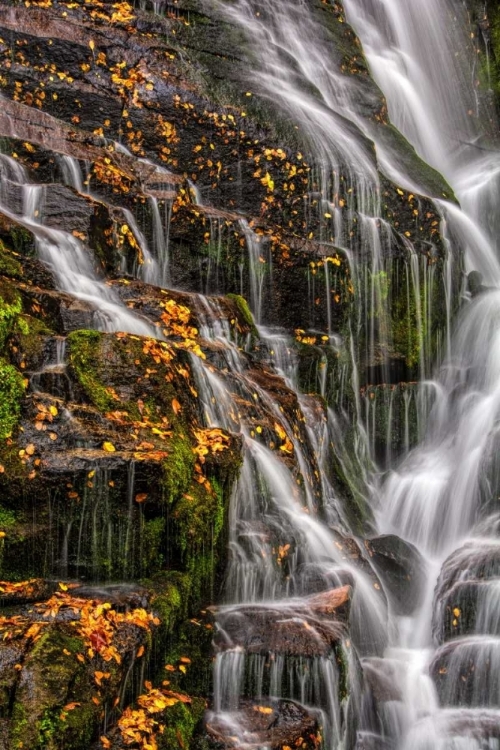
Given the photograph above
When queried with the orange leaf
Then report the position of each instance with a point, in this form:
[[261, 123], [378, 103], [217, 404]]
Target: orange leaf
[[176, 406]]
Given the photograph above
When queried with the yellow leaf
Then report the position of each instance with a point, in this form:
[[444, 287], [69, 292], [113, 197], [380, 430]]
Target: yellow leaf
[[109, 447], [92, 45], [53, 410], [263, 709]]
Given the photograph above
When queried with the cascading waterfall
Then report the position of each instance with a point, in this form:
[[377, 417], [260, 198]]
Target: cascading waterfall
[[444, 486]]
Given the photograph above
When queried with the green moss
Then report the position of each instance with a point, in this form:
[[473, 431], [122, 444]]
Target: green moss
[[84, 350], [9, 266], [181, 721], [178, 467], [11, 392], [152, 542], [170, 593], [10, 308], [428, 180], [244, 311], [49, 673], [22, 240], [199, 516]]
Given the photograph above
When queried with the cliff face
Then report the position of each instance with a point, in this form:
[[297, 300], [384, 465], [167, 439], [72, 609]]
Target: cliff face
[[137, 154]]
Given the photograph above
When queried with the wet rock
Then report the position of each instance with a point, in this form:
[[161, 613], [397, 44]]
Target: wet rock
[[467, 596], [310, 627], [60, 311], [275, 724], [467, 671], [370, 741], [34, 590], [384, 679], [475, 728], [401, 569]]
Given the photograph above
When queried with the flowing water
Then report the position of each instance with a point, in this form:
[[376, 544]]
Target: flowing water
[[442, 490]]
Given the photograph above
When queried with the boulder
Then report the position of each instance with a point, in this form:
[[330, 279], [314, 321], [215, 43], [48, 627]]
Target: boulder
[[401, 569]]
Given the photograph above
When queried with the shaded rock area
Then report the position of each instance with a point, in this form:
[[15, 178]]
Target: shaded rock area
[[467, 597], [401, 569]]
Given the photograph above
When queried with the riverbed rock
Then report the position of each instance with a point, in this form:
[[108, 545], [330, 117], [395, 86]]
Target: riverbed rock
[[467, 593], [274, 724], [310, 627]]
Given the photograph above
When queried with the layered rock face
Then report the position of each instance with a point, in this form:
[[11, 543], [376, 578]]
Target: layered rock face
[[155, 208]]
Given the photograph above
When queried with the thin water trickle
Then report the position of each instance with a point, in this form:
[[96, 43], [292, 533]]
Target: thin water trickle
[[66, 256]]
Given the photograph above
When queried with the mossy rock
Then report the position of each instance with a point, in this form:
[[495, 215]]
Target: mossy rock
[[84, 359], [9, 265], [49, 678], [245, 312], [180, 723], [12, 389]]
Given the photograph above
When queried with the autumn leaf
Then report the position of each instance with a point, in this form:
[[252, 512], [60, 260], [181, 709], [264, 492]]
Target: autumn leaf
[[263, 709], [141, 497], [176, 406], [109, 447]]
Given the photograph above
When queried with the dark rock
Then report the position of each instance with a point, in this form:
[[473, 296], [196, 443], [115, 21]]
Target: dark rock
[[467, 595], [467, 672], [401, 569], [310, 627]]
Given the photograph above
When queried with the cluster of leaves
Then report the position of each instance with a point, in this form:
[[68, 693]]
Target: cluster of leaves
[[108, 173], [176, 319], [97, 622], [210, 441], [286, 444], [141, 726]]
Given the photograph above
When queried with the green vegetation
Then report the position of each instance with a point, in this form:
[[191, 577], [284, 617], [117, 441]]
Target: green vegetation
[[244, 311], [85, 360], [11, 392]]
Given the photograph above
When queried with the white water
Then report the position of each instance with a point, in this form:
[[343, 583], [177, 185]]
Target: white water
[[418, 55], [67, 258]]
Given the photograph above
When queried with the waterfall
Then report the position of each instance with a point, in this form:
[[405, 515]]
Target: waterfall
[[443, 487]]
